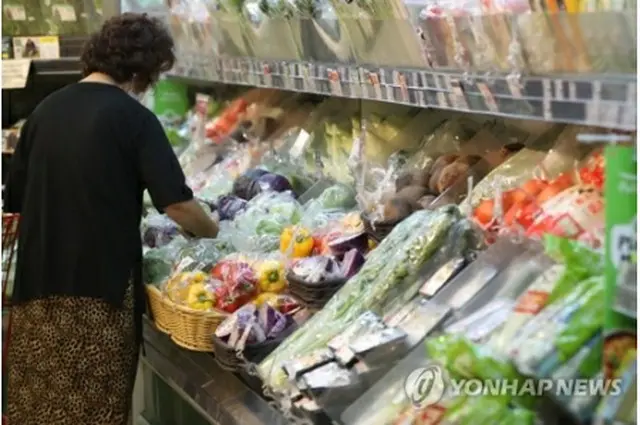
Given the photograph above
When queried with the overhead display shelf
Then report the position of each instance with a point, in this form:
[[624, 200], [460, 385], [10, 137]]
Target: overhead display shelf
[[565, 66], [600, 100]]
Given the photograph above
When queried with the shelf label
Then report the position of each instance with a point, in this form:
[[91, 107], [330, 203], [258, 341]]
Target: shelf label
[[558, 89], [442, 100], [489, 100], [401, 81], [308, 80], [546, 99], [287, 79], [573, 91], [335, 86], [268, 77], [374, 80], [15, 73], [514, 88], [457, 97]]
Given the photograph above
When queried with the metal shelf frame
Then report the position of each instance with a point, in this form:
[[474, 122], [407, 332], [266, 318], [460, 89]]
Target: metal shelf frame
[[602, 100]]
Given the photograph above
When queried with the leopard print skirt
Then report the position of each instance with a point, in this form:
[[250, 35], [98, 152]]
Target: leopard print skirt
[[71, 361]]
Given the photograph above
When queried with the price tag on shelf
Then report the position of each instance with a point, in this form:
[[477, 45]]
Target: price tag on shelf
[[514, 88], [458, 100], [547, 95], [354, 82], [335, 85], [374, 82], [287, 79], [489, 99], [558, 90], [416, 80], [15, 73], [267, 74], [401, 81], [308, 80], [573, 90], [593, 107], [442, 100]]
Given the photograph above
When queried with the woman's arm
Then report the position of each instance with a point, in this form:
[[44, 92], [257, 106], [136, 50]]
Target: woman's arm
[[163, 177]]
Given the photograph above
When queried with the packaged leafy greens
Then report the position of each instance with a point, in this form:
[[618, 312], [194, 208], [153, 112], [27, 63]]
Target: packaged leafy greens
[[390, 267]]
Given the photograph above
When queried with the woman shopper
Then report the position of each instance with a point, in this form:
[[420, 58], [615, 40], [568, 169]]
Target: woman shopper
[[85, 156]]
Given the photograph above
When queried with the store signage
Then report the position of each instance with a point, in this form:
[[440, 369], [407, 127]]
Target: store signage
[[15, 73]]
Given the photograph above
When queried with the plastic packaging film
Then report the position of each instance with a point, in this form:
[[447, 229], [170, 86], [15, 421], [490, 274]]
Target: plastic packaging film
[[343, 307]]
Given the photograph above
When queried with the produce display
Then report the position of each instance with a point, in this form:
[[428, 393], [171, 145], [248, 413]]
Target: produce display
[[490, 266]]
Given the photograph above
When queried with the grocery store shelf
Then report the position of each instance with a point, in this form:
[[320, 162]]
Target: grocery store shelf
[[55, 67], [600, 99], [218, 395]]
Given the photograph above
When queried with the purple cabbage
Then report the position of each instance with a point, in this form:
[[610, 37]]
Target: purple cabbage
[[242, 185], [352, 263], [342, 245], [158, 231], [261, 323], [271, 321], [229, 206], [269, 183]]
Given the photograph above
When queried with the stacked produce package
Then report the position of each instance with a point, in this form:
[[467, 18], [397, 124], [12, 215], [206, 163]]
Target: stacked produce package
[[355, 250]]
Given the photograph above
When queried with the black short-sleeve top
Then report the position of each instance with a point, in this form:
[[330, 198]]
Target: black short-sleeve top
[[85, 156]]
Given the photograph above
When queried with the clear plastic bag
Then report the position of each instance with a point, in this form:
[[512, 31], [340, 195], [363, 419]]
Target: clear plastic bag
[[195, 290], [401, 254], [201, 255], [157, 263], [158, 230], [259, 227]]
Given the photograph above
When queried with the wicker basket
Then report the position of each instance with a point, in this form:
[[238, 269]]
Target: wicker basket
[[190, 329], [193, 328], [313, 296], [161, 309]]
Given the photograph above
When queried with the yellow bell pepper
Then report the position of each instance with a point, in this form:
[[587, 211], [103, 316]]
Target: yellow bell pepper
[[271, 277], [268, 298], [199, 298], [300, 238]]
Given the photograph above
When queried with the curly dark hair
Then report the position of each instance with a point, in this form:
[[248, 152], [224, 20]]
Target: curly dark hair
[[130, 48]]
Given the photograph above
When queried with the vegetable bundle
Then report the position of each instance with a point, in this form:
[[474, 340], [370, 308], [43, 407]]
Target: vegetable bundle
[[397, 258]]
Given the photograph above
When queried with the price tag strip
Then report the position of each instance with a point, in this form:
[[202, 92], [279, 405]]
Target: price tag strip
[[576, 99]]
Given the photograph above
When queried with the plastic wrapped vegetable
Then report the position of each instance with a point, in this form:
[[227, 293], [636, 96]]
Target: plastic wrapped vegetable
[[316, 270], [242, 185], [230, 206], [158, 230], [252, 325], [157, 263], [338, 196], [284, 303], [201, 254], [259, 227], [397, 258], [195, 290], [269, 183], [296, 242]]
